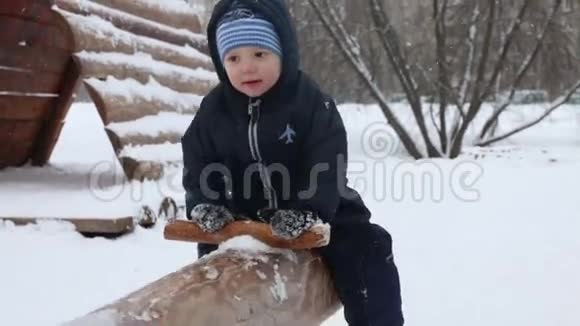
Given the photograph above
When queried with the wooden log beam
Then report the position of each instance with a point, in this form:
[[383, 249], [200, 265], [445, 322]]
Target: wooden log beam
[[135, 24], [32, 10], [91, 226], [15, 31], [231, 287], [26, 58], [29, 83], [142, 66], [119, 101], [141, 170], [144, 139], [183, 17], [165, 127], [317, 236], [25, 107], [53, 126], [95, 34], [17, 138]]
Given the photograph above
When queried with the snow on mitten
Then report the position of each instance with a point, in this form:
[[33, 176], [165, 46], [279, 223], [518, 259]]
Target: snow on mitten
[[211, 218], [289, 224]]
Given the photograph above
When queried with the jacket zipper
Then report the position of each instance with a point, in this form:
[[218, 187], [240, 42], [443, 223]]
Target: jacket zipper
[[254, 113]]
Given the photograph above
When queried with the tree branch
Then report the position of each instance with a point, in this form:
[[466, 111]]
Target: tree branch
[[345, 43], [555, 105], [505, 49], [439, 16], [476, 100], [390, 41], [525, 66]]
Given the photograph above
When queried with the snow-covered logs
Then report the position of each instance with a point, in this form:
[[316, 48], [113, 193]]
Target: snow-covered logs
[[92, 33], [140, 59], [244, 283], [142, 67], [127, 100], [176, 14], [139, 25]]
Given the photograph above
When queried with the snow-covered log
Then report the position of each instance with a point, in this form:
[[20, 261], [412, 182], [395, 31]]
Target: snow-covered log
[[148, 139], [154, 129], [141, 170], [234, 287], [174, 13], [141, 66], [126, 100], [251, 285], [135, 24], [92, 33]]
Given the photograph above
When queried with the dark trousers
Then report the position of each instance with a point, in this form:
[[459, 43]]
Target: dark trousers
[[360, 259]]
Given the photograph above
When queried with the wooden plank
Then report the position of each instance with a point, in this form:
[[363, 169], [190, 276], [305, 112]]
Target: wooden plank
[[134, 24], [17, 139], [15, 132], [37, 10], [51, 130], [29, 83], [157, 11], [52, 60], [25, 107], [315, 237], [92, 226], [15, 31], [11, 155]]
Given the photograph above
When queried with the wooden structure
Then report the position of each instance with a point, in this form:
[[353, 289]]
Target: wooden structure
[[37, 80], [139, 59], [110, 227], [135, 59], [234, 286]]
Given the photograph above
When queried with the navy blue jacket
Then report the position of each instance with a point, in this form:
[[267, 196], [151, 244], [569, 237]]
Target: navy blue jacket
[[286, 149]]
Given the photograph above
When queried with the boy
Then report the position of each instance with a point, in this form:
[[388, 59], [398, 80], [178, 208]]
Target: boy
[[267, 116]]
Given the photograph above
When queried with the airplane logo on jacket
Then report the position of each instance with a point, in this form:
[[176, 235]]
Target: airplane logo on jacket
[[288, 134]]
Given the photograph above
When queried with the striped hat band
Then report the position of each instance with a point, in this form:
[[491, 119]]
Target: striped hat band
[[255, 32]]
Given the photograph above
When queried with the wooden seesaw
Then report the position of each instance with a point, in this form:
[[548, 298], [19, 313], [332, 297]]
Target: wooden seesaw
[[285, 285]]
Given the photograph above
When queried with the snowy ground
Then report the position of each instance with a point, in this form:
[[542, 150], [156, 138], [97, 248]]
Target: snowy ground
[[492, 240]]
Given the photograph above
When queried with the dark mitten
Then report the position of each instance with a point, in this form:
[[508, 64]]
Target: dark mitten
[[211, 218], [290, 224]]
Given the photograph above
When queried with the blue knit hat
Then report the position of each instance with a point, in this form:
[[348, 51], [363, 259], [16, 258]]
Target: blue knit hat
[[241, 27]]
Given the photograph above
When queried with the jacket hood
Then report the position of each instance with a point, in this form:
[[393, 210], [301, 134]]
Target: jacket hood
[[276, 12]]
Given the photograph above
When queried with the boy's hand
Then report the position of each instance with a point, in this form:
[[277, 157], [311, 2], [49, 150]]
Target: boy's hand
[[288, 223], [211, 218]]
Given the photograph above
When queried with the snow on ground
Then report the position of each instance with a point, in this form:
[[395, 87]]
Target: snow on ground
[[488, 239]]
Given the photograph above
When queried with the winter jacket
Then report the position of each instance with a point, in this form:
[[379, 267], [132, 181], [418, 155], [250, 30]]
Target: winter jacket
[[286, 149]]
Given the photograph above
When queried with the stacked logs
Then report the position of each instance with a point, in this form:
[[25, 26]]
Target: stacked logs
[[142, 63]]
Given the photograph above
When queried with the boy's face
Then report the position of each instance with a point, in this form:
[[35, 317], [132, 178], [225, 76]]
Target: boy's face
[[252, 71]]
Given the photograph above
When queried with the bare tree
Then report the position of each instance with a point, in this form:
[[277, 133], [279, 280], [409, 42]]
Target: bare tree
[[472, 63]]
